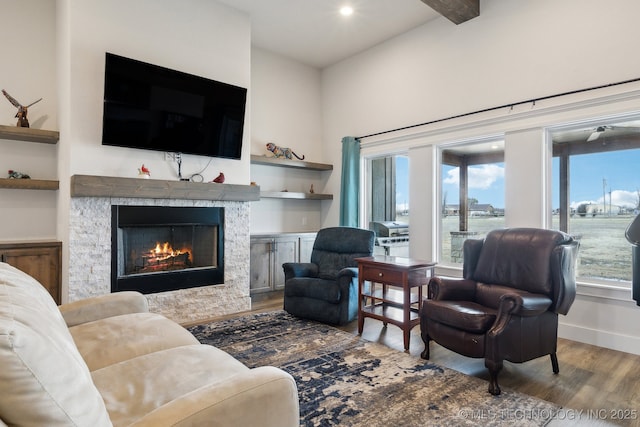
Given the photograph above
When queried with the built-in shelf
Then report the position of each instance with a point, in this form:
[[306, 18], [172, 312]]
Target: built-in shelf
[[295, 164], [286, 163], [107, 186], [29, 184], [29, 134], [294, 195]]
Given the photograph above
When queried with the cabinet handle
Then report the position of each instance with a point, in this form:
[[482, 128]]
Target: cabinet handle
[[380, 274]]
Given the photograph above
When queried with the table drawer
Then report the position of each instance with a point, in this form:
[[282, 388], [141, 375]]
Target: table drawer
[[382, 275]]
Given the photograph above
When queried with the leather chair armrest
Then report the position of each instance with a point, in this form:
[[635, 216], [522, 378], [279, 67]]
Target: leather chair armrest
[[103, 306], [525, 304], [451, 289], [299, 269]]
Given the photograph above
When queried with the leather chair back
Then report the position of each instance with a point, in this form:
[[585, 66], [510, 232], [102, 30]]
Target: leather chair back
[[529, 259]]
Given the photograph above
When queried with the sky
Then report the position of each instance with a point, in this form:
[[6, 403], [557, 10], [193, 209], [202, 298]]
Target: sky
[[619, 171]]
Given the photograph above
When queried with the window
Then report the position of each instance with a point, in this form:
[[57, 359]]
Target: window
[[472, 194], [597, 195], [389, 204]]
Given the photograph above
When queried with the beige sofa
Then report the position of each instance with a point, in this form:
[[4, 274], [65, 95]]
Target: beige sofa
[[108, 361]]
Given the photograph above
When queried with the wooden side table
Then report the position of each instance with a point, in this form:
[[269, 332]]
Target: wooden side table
[[388, 296]]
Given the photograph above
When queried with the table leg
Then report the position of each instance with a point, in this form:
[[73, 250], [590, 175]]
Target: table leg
[[360, 302], [406, 327]]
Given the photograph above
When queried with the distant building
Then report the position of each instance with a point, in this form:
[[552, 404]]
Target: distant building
[[594, 209], [478, 209]]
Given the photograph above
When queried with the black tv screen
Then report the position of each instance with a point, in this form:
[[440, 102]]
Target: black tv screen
[[154, 108]]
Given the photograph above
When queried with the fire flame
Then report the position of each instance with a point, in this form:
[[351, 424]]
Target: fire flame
[[164, 251]]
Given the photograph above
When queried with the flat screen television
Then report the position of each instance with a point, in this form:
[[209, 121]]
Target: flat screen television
[[155, 108]]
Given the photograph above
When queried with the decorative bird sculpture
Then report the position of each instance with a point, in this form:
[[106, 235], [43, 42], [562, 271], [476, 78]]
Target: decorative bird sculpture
[[219, 179], [22, 110], [143, 170]]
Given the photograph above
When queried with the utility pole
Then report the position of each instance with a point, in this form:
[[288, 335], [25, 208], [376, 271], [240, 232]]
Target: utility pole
[[604, 196]]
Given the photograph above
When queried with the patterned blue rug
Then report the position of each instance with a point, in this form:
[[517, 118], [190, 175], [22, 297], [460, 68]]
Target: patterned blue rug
[[344, 380]]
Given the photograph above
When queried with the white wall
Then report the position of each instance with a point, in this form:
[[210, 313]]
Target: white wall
[[199, 37], [286, 110], [196, 36], [28, 72], [514, 51]]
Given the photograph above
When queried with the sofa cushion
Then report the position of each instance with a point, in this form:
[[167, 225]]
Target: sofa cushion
[[147, 382], [43, 380], [128, 336], [464, 315]]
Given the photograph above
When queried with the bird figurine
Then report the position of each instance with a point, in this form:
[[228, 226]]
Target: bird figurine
[[17, 175], [219, 179], [21, 115], [144, 172]]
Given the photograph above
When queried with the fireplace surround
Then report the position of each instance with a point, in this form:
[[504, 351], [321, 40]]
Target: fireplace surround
[[89, 246], [164, 248]]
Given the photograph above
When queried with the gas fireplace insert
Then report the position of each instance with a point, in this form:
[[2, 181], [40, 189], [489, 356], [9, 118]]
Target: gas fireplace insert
[[161, 248]]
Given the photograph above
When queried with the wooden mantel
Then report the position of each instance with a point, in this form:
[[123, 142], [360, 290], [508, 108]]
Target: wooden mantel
[[106, 186]]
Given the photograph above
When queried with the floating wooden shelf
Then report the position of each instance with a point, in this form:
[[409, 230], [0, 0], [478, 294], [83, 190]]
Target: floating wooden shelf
[[106, 186], [286, 163], [29, 184], [294, 195], [29, 134]]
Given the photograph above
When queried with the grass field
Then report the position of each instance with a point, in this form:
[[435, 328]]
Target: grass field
[[604, 251]]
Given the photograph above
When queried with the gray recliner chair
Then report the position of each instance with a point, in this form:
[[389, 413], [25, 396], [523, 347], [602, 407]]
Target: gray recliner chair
[[326, 289]]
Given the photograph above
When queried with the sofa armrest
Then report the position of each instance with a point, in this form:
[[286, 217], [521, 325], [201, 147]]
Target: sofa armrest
[[264, 396], [299, 269], [103, 306]]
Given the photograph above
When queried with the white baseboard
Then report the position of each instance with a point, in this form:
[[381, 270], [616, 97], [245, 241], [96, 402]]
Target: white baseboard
[[619, 342]]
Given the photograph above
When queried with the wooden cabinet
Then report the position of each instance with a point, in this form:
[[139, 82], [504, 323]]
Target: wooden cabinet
[[41, 260], [270, 251]]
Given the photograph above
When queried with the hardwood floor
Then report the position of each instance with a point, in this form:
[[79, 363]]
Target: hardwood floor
[[604, 384]]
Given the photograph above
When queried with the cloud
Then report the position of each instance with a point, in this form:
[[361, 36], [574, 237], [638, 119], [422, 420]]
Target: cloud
[[480, 177], [622, 198]]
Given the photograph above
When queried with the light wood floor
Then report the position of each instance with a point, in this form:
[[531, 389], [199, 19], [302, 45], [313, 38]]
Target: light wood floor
[[602, 383]]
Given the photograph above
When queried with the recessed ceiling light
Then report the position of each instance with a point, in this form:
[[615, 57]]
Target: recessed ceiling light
[[346, 11]]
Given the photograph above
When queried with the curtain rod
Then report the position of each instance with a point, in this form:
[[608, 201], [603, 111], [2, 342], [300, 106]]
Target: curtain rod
[[533, 100]]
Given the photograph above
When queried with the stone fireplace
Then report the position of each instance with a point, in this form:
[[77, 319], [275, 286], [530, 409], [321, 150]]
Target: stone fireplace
[[90, 241]]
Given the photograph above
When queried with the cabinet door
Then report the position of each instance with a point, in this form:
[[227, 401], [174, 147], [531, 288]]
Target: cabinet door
[[306, 246], [41, 263], [260, 269], [286, 250]]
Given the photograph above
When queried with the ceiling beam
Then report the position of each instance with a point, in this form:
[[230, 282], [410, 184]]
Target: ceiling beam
[[456, 11]]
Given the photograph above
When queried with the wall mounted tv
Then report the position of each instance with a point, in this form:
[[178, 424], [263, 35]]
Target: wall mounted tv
[[154, 108]]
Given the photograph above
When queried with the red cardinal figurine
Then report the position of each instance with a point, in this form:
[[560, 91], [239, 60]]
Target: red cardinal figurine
[[144, 171], [219, 179]]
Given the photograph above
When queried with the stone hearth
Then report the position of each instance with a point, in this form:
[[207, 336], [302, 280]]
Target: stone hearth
[[90, 248]]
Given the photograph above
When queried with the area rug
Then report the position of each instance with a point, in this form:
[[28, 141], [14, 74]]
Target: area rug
[[348, 381]]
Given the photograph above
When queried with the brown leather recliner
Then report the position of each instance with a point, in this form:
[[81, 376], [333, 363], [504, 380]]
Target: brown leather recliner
[[515, 283]]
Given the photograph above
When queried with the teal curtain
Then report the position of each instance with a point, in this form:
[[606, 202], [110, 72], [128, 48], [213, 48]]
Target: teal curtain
[[350, 186]]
